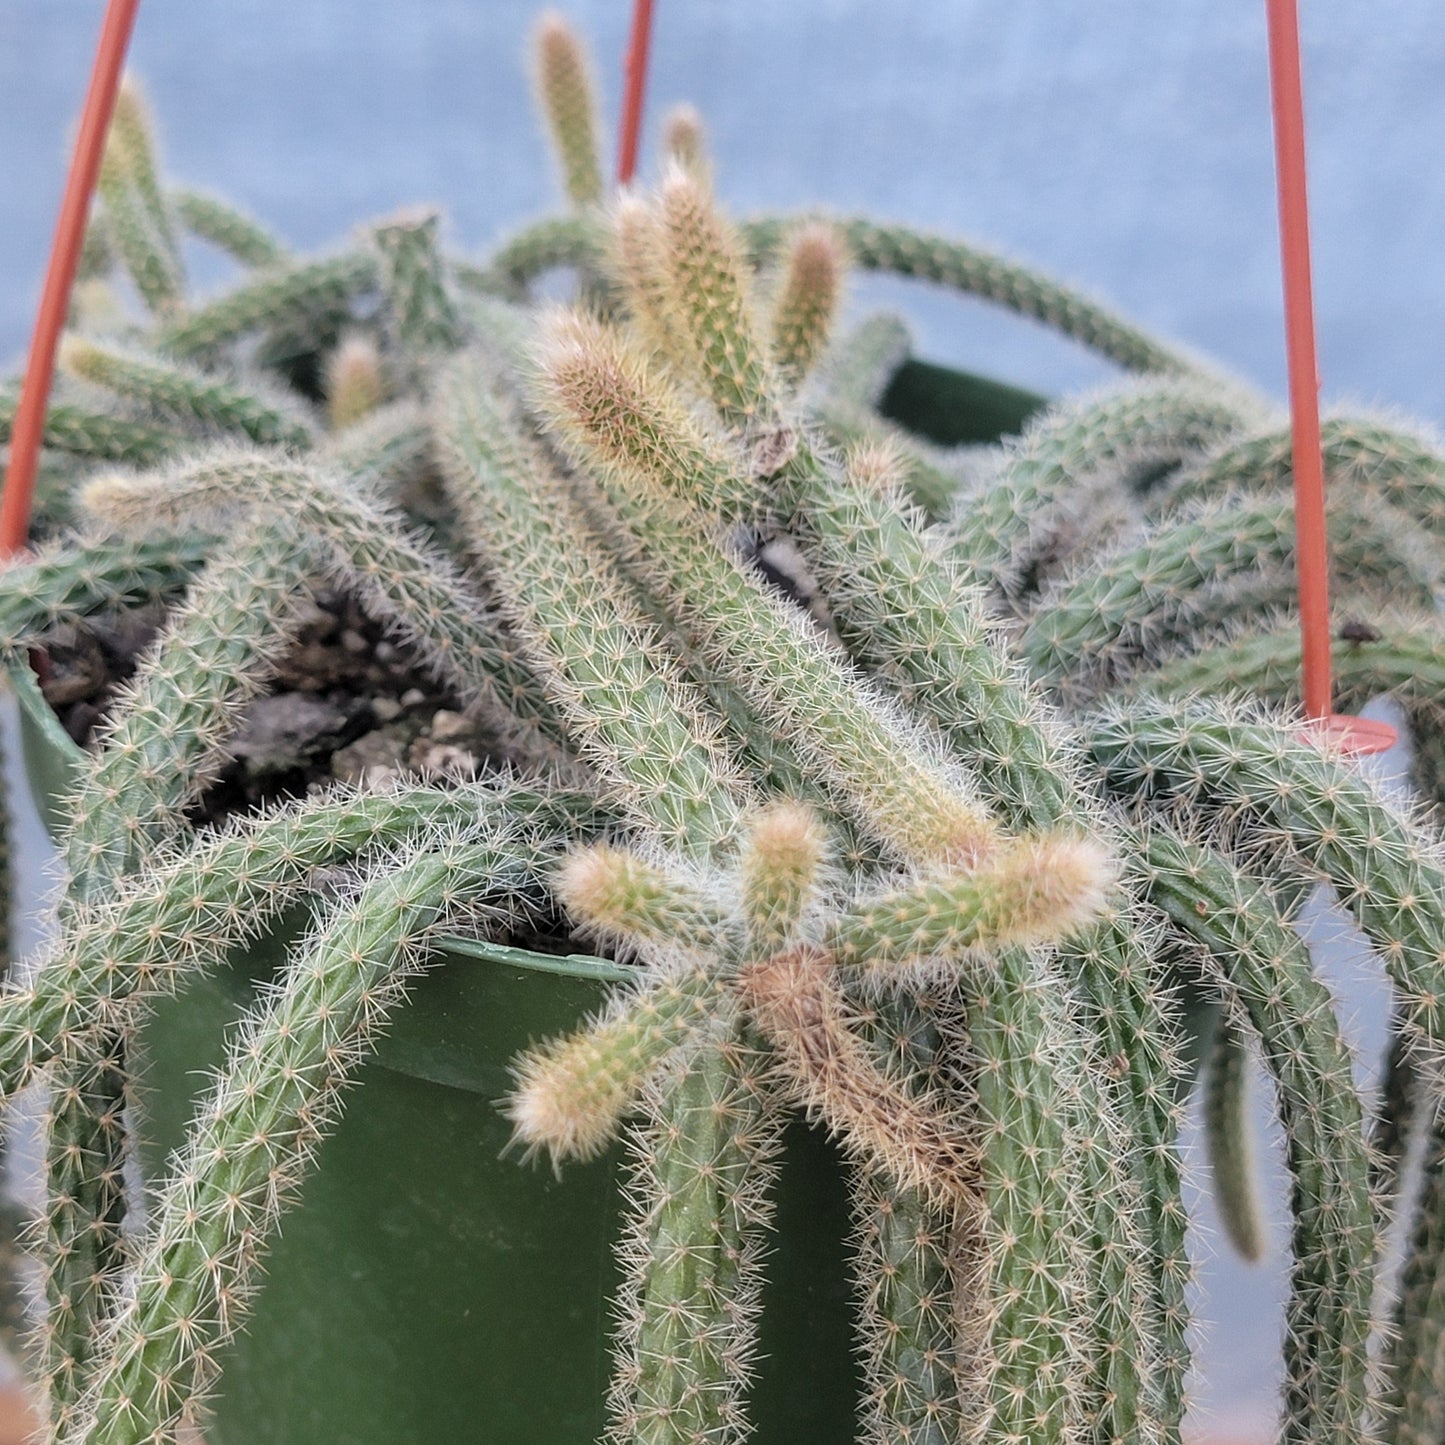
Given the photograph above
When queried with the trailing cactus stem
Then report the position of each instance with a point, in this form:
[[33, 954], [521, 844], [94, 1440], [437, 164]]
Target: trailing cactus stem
[[857, 744], [180, 918], [1393, 1122], [1268, 975], [83, 433], [1415, 1408], [65, 582], [162, 746], [899, 250], [364, 547], [903, 608], [1130, 606], [274, 297], [909, 1272], [229, 230], [784, 851], [185, 395], [1229, 1138], [684, 140], [648, 731], [911, 1137], [960, 266], [859, 365], [1406, 659], [97, 252], [1051, 473], [564, 85], [250, 1143], [172, 721], [1387, 872], [703, 1170], [422, 314], [1359, 452]]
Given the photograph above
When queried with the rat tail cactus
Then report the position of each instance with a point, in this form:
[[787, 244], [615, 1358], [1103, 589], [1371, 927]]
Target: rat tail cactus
[[896, 777]]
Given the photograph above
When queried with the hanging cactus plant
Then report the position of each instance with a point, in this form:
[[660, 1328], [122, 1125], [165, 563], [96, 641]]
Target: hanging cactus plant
[[914, 786]]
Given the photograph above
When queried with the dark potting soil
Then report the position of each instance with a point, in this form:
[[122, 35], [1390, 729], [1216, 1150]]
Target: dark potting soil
[[348, 705]]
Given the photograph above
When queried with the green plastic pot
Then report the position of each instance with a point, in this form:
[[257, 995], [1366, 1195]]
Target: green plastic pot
[[426, 1288]]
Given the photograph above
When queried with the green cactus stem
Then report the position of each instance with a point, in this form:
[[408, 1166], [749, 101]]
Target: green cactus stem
[[1397, 1110], [163, 743], [783, 863], [1414, 1412], [383, 453], [625, 898], [171, 722], [566, 92], [897, 250], [180, 918], [137, 218], [1261, 774], [914, 615], [907, 1268], [423, 318], [709, 302], [703, 1166], [274, 298], [251, 1142], [571, 1094], [220, 224], [1229, 1143], [132, 140], [82, 432], [855, 743], [1268, 976], [1036, 890], [1393, 652], [642, 723], [1402, 467], [69, 580], [1067, 458], [365, 548], [1125, 608], [182, 394]]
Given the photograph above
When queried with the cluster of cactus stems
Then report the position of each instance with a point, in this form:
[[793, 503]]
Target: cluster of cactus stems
[[925, 844]]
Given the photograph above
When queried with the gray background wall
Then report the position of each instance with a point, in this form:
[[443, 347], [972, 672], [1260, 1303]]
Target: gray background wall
[[1123, 144]]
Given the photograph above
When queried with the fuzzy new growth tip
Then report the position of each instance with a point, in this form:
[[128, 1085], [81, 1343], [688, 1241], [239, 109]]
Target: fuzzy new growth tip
[[783, 851], [564, 86], [795, 999], [628, 899], [808, 300], [1038, 889]]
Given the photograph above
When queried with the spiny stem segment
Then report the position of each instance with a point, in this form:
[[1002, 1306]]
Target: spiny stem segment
[[1268, 975], [564, 85], [251, 1141], [1229, 1138]]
